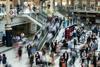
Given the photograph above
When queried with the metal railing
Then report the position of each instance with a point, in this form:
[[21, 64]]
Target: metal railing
[[51, 40], [39, 18]]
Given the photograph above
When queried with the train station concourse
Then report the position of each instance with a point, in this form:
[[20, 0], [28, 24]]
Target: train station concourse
[[49, 33]]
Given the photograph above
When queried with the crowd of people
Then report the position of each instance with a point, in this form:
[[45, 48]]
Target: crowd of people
[[53, 26], [87, 53]]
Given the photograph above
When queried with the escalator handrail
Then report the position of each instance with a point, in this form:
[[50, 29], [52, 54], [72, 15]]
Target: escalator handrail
[[52, 39], [42, 41], [33, 15], [37, 33]]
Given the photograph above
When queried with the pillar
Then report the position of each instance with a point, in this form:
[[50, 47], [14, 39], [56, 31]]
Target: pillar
[[67, 4], [22, 2], [88, 4], [8, 28], [15, 2], [72, 3], [19, 2], [61, 3], [80, 3], [96, 5], [52, 5]]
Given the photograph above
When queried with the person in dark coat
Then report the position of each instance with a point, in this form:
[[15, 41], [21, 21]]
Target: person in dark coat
[[65, 55], [29, 48], [89, 39], [31, 60], [37, 58], [0, 59], [4, 59], [78, 35], [99, 56], [94, 61], [20, 52], [65, 44]]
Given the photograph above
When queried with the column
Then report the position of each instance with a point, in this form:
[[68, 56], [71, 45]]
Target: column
[[8, 28], [88, 4], [80, 4], [76, 4], [22, 2], [19, 2], [72, 2], [96, 5], [51, 5], [67, 4], [54, 5], [61, 3]]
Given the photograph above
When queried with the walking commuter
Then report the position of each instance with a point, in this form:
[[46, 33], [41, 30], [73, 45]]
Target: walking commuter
[[78, 35], [37, 58], [0, 59], [4, 59], [29, 48], [99, 56], [66, 57], [94, 61], [62, 62], [52, 47], [31, 60], [20, 52]]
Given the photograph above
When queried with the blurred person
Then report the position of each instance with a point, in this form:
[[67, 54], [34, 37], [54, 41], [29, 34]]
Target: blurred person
[[73, 55], [78, 35], [94, 61], [31, 60], [29, 48], [99, 56], [20, 52], [83, 57], [66, 57], [4, 59], [52, 57], [62, 62], [37, 58], [0, 58]]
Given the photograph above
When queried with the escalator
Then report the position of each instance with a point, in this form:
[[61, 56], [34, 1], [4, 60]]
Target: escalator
[[39, 19], [44, 41]]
